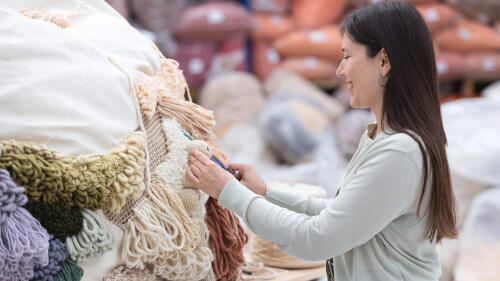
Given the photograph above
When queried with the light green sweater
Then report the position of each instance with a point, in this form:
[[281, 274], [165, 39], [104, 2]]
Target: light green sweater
[[370, 229]]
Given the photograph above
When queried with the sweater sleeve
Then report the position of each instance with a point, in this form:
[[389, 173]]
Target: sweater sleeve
[[384, 187], [295, 202]]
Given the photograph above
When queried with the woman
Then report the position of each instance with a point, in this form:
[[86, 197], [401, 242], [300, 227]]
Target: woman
[[395, 200]]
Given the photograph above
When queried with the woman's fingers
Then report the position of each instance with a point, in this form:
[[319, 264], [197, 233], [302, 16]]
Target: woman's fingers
[[191, 176], [201, 157]]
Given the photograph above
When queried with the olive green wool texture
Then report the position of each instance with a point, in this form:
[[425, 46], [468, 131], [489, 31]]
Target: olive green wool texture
[[60, 220]]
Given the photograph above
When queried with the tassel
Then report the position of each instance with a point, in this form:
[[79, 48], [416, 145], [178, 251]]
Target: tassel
[[93, 241], [161, 232], [197, 120], [69, 271], [57, 254], [60, 220], [38, 14]]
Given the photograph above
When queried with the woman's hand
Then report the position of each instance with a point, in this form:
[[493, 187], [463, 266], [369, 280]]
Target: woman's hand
[[206, 174], [249, 178]]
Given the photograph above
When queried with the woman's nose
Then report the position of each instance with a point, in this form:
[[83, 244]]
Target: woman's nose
[[340, 70]]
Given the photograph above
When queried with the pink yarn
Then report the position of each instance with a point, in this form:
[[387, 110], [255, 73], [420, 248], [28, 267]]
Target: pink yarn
[[23, 243]]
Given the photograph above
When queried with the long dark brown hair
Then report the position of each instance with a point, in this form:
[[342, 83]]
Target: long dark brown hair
[[411, 98]]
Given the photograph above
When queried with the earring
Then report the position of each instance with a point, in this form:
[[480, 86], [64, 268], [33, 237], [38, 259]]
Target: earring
[[378, 81]]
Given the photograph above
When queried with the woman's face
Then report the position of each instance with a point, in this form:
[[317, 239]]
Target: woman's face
[[361, 73]]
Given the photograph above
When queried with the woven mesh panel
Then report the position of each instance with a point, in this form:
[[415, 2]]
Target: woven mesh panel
[[157, 149]]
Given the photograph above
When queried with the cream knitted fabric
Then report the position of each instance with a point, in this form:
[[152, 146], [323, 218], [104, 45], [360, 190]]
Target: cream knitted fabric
[[93, 240], [173, 171]]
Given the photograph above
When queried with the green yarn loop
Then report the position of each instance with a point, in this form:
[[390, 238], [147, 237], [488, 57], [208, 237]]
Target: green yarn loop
[[69, 271], [86, 185], [60, 220]]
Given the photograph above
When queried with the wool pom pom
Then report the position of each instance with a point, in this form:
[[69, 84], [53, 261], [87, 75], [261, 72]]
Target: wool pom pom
[[59, 219], [123, 273], [11, 195], [93, 240], [69, 271], [57, 254], [23, 243]]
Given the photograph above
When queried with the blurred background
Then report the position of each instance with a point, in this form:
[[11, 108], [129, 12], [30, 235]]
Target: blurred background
[[267, 70]]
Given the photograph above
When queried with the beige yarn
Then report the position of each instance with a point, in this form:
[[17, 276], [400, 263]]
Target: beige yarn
[[92, 241], [194, 202], [123, 273], [263, 250], [173, 83], [59, 20], [161, 232], [147, 95], [173, 171], [38, 14], [30, 148], [197, 120]]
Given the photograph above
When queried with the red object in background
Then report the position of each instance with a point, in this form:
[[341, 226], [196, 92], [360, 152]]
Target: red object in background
[[264, 58], [271, 26], [468, 37], [316, 13], [450, 66], [195, 59], [312, 68], [483, 67], [437, 16], [214, 21], [325, 42], [270, 6], [230, 56], [158, 16], [121, 6]]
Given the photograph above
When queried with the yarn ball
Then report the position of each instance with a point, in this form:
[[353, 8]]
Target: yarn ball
[[57, 254], [11, 195], [292, 126], [59, 219], [69, 271], [23, 243], [224, 93]]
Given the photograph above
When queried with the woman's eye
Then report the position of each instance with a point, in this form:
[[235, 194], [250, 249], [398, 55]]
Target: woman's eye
[[346, 57]]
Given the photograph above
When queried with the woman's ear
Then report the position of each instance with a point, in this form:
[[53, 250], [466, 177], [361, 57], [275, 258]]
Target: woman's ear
[[385, 63]]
